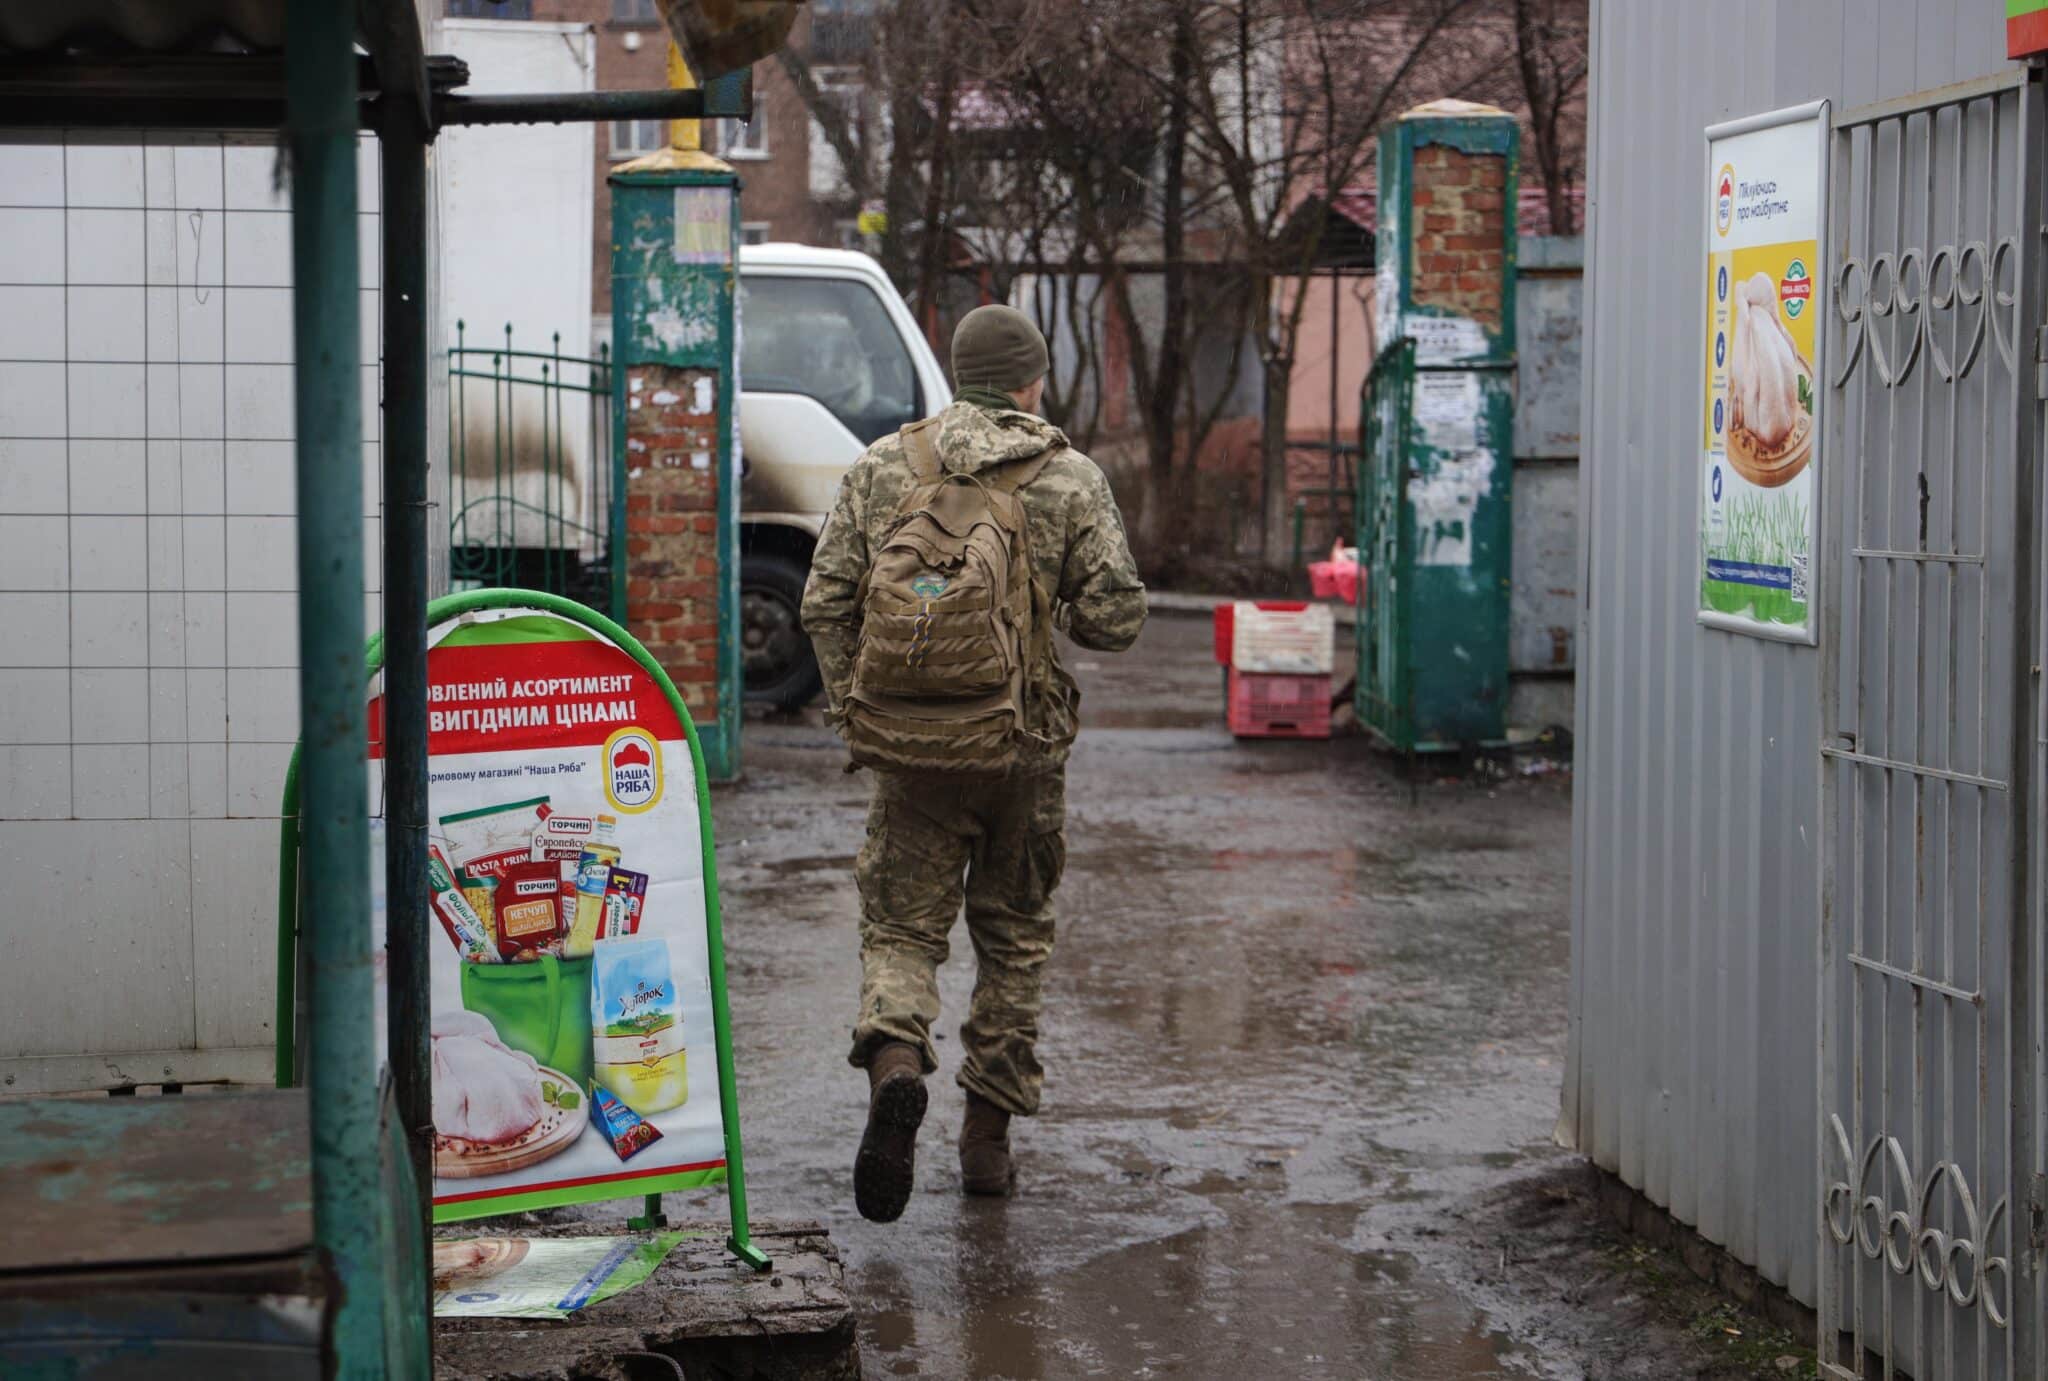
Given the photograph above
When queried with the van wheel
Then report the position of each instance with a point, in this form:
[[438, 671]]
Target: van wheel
[[780, 668]]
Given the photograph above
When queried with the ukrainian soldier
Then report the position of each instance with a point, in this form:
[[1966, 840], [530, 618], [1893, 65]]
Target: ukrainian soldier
[[954, 548]]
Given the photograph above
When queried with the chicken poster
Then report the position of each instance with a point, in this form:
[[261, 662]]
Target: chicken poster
[[1760, 500], [574, 1051]]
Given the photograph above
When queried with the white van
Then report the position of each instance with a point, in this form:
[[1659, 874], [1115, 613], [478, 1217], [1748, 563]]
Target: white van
[[831, 360]]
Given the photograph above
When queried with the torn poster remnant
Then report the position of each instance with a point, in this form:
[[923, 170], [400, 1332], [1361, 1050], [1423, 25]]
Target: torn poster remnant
[[1444, 503]]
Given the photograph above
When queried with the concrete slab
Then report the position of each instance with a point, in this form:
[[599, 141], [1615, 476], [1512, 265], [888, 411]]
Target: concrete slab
[[701, 1310]]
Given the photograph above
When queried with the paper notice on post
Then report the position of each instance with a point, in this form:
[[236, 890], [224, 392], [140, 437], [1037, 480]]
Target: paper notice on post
[[1447, 410], [540, 1277], [1444, 339]]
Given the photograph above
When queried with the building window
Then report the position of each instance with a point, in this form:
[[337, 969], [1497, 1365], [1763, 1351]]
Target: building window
[[631, 138], [753, 232], [634, 12], [842, 31], [490, 9], [745, 139], [843, 90]]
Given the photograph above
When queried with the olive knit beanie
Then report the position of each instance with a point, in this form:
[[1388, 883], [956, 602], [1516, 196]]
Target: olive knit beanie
[[998, 347]]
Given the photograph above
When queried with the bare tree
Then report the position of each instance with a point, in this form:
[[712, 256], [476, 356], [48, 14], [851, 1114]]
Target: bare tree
[[1166, 170], [1286, 114], [890, 115], [1551, 56]]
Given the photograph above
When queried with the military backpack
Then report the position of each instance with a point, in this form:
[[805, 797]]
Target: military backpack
[[954, 631]]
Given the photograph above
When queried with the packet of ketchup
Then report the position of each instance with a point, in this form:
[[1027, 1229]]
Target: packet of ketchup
[[529, 906]]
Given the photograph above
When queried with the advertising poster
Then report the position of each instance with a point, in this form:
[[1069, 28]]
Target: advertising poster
[[540, 1277], [1760, 479], [574, 1053]]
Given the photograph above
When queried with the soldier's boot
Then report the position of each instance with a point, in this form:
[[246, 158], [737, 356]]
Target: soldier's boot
[[888, 1148], [985, 1164]]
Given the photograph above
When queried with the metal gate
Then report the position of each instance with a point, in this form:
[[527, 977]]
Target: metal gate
[[1930, 994], [535, 492]]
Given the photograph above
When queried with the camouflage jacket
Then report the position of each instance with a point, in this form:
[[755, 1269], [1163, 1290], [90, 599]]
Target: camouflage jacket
[[1078, 550]]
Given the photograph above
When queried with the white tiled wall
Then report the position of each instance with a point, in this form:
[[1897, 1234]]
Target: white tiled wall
[[148, 630]]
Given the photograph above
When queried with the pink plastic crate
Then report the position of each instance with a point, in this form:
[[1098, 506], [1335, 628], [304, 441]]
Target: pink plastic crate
[[1338, 580], [1263, 706]]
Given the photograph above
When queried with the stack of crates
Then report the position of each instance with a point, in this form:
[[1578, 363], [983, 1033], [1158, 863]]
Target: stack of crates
[[1277, 657]]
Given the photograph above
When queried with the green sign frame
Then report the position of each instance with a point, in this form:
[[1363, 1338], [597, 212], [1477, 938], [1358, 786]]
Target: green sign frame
[[734, 1173]]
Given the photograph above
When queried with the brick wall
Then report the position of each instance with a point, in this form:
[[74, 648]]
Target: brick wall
[[1460, 232], [672, 525]]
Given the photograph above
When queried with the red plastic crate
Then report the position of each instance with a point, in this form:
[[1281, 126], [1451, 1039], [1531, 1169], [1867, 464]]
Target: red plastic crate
[[1279, 706]]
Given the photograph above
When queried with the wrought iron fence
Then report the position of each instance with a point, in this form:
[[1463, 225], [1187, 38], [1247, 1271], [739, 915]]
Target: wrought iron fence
[[532, 474]]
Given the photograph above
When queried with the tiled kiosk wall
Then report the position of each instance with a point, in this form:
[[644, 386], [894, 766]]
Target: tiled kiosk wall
[[148, 640]]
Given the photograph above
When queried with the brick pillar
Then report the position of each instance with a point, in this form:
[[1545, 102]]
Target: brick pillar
[[672, 479], [1460, 232]]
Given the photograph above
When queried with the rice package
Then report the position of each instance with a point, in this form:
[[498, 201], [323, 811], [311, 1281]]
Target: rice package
[[636, 1024]]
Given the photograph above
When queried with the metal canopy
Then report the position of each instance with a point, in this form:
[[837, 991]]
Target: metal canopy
[[246, 91], [218, 64]]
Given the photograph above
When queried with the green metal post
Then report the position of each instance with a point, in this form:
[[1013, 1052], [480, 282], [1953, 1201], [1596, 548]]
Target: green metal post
[[1442, 471], [402, 144], [320, 131], [656, 283]]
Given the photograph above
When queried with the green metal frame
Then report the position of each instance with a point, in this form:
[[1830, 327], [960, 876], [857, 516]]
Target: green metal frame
[[643, 230], [489, 503], [1385, 692], [438, 612], [364, 1199]]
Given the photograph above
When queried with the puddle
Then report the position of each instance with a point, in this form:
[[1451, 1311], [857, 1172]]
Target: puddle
[[1247, 1300]]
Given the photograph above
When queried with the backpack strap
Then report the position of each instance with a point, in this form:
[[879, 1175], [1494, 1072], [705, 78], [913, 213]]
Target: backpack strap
[[918, 450]]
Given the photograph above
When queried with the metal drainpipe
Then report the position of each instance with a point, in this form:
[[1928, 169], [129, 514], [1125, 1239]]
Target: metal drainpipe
[[342, 1074], [403, 146]]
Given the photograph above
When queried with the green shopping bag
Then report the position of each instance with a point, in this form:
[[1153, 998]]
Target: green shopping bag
[[541, 1007]]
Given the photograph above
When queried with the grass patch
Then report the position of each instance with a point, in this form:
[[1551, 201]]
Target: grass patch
[[1735, 1343]]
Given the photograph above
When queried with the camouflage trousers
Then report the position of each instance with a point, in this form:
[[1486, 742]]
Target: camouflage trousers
[[932, 843]]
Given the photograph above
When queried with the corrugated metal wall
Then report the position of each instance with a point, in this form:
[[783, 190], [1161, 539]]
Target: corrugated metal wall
[[1695, 895]]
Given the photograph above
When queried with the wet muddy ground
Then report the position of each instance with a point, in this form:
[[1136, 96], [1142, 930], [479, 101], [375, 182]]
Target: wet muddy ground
[[1304, 1033]]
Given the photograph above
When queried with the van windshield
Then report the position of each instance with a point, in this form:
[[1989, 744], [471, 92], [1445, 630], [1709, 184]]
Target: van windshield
[[831, 340]]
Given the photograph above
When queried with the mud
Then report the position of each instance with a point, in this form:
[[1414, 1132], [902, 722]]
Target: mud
[[1304, 1033]]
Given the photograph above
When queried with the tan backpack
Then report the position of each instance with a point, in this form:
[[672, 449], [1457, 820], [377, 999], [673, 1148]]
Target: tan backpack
[[954, 631]]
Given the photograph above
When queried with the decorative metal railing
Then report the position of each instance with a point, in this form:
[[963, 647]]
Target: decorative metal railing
[[531, 470]]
